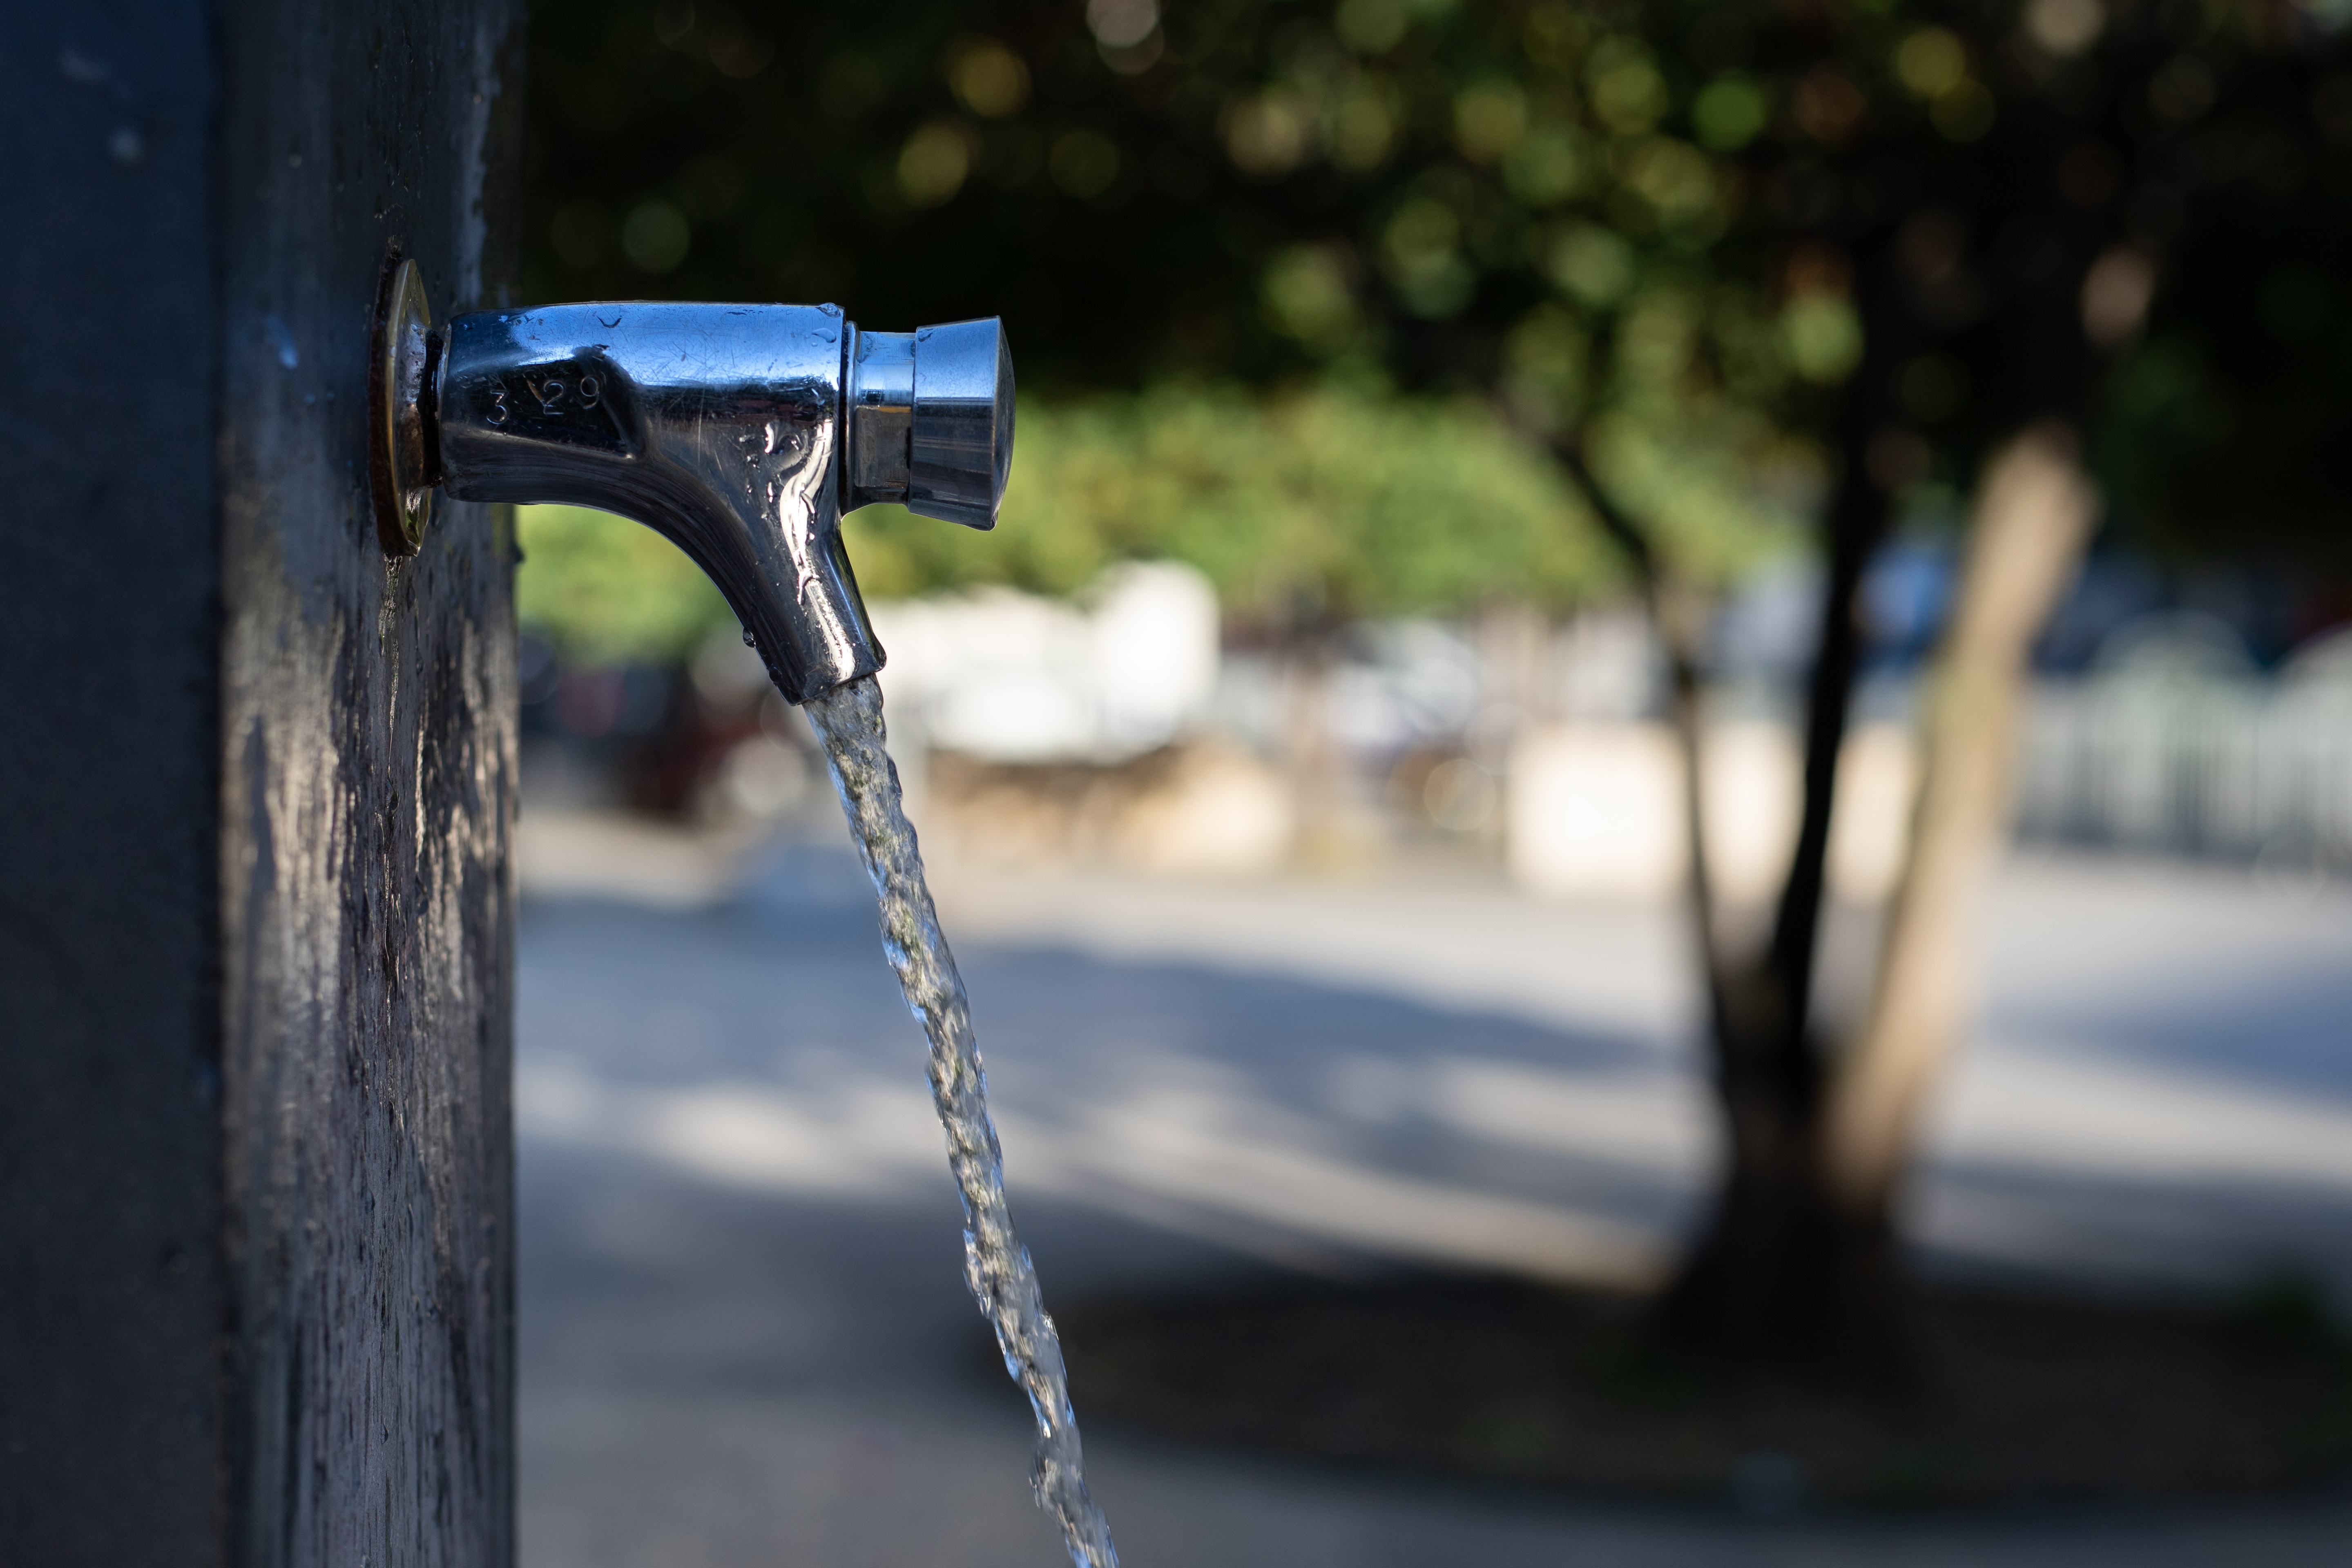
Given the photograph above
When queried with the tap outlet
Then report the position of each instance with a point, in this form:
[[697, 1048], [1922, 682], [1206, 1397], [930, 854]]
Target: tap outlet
[[741, 433]]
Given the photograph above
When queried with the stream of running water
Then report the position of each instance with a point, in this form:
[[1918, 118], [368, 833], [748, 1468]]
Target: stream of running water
[[849, 721]]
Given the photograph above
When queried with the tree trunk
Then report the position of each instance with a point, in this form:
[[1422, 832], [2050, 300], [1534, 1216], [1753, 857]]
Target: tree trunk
[[1766, 1279], [2033, 516], [1678, 614], [1775, 1276]]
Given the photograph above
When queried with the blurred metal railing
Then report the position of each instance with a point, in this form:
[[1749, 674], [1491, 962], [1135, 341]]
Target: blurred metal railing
[[2177, 747]]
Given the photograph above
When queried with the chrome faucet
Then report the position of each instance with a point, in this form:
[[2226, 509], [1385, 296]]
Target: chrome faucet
[[742, 433]]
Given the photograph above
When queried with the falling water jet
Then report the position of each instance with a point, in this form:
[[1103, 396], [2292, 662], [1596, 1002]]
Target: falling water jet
[[742, 433], [848, 719]]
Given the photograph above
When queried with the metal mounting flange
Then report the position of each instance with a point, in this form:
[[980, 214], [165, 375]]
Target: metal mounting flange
[[400, 458]]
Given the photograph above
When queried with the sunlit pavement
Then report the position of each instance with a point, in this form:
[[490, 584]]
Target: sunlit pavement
[[745, 1338]]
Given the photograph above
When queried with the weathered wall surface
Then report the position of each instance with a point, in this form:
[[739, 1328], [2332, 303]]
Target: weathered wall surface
[[367, 757], [256, 917], [111, 1293]]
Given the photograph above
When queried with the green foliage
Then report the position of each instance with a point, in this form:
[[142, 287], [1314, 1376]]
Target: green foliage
[[1349, 502], [607, 589], [1665, 224], [1527, 206], [1337, 501]]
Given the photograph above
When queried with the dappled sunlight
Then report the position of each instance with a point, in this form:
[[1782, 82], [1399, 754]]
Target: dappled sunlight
[[1204, 1152], [1301, 1071], [874, 1139], [2048, 1109]]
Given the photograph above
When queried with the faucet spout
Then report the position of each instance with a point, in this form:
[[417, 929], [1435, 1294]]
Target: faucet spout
[[741, 433]]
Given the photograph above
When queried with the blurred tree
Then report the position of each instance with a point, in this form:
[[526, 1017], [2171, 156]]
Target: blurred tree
[[2000, 187], [1515, 203], [1367, 505], [1733, 262], [1396, 194]]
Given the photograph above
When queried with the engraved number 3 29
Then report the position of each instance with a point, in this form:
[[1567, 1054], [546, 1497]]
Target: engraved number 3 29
[[549, 394]]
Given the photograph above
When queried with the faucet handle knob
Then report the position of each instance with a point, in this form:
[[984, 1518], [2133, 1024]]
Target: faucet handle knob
[[930, 417], [960, 450]]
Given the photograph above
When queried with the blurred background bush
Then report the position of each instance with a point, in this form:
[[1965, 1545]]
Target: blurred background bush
[[1360, 310]]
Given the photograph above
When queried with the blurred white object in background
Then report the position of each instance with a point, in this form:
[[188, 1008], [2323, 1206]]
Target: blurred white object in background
[[1870, 833], [762, 778], [1157, 634], [1010, 677], [2174, 741], [1754, 792], [1220, 813], [1595, 810], [1607, 666]]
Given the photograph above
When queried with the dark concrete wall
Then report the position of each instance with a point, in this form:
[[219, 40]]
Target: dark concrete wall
[[256, 790]]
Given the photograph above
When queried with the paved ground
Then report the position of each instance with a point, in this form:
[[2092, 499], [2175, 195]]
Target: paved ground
[[745, 1339]]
